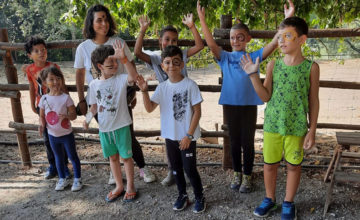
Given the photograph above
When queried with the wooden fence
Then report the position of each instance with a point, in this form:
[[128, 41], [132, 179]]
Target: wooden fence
[[12, 88]]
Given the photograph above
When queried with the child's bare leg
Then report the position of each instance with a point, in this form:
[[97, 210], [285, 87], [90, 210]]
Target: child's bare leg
[[129, 170], [292, 181], [116, 171], [270, 175]]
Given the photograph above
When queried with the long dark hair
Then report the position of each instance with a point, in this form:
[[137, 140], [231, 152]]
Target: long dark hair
[[88, 31]]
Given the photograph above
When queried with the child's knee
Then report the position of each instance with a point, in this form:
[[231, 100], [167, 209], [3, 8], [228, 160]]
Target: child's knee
[[127, 160], [270, 167], [293, 168], [114, 158]]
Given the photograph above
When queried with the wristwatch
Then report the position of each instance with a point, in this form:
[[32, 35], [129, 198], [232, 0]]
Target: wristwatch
[[189, 136]]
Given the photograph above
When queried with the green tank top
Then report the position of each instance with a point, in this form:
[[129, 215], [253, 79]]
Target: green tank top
[[286, 112]]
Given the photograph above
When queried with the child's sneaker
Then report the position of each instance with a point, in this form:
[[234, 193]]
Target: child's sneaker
[[61, 184], [77, 185], [49, 174], [246, 184], [149, 177], [236, 181], [288, 211], [111, 179], [181, 203], [265, 208], [200, 205], [168, 180]]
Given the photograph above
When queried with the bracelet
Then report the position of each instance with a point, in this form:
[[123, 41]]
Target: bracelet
[[123, 60], [252, 73]]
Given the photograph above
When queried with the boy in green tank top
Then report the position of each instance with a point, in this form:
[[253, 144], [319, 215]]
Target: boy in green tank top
[[291, 89]]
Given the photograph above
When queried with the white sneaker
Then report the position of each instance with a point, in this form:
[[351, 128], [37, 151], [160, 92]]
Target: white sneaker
[[169, 179], [148, 175], [61, 184], [111, 179], [77, 185]]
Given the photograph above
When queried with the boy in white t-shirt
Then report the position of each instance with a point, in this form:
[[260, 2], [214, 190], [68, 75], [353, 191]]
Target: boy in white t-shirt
[[107, 97], [180, 110]]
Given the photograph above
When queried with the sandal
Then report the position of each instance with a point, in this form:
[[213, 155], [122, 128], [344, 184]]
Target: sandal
[[111, 197], [130, 197]]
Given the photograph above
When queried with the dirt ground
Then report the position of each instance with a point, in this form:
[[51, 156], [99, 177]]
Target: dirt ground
[[24, 194]]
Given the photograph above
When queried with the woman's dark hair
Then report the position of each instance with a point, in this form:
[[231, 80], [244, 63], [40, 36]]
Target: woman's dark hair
[[31, 42], [88, 31], [51, 70]]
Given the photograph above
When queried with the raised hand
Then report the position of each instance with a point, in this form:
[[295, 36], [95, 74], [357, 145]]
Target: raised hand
[[289, 12], [188, 20], [144, 22], [141, 83], [119, 50], [248, 66], [200, 10]]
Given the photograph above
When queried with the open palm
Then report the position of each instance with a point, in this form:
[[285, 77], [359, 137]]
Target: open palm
[[248, 65]]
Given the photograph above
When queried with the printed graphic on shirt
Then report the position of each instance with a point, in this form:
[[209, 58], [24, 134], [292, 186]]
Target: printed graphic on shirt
[[105, 100], [52, 117], [180, 100]]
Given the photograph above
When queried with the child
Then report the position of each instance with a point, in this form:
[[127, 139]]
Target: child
[[56, 110], [238, 96], [107, 97], [35, 48], [291, 89], [168, 36], [180, 110]]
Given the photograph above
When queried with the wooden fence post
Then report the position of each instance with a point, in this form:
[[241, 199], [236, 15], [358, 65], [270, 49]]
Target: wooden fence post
[[11, 75], [226, 22]]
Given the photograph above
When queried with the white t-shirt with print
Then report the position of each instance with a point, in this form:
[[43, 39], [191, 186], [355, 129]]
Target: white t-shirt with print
[[176, 101], [161, 76], [83, 57], [54, 106], [110, 97]]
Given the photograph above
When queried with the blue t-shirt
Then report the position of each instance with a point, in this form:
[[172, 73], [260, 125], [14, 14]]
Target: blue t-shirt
[[237, 88]]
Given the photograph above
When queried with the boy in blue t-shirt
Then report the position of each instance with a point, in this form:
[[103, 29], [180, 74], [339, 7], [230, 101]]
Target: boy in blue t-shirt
[[238, 95]]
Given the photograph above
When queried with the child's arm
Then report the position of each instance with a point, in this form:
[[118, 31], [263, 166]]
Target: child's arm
[[71, 113], [199, 45], [144, 22], [185, 142], [80, 80], [32, 96], [142, 84], [314, 105], [89, 116], [215, 49], [42, 121], [270, 48], [264, 91], [120, 55]]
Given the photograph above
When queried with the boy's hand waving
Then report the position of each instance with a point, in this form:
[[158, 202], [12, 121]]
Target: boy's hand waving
[[248, 66], [144, 22], [188, 20], [200, 11], [119, 50], [141, 83], [289, 12]]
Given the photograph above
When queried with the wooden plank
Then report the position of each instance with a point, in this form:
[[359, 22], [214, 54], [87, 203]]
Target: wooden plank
[[348, 138], [347, 177], [331, 164]]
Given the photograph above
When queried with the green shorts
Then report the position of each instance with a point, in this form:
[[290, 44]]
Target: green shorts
[[275, 145], [118, 141]]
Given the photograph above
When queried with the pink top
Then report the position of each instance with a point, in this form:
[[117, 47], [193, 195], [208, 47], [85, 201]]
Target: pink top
[[54, 106]]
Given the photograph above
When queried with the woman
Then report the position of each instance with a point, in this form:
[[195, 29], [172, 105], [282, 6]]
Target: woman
[[99, 29]]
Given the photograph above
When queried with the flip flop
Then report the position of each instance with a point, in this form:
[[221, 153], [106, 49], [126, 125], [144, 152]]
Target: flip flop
[[111, 197], [127, 195]]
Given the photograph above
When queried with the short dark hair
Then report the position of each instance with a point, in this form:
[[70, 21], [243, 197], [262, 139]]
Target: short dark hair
[[51, 70], [299, 24], [32, 41], [241, 26], [88, 31], [171, 51], [168, 28], [100, 54]]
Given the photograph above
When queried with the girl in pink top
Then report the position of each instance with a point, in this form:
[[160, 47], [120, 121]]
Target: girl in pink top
[[56, 111]]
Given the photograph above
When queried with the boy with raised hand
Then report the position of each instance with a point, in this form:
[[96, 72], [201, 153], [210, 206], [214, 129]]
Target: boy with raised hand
[[108, 99], [168, 36], [180, 111], [36, 50], [238, 96], [291, 90]]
